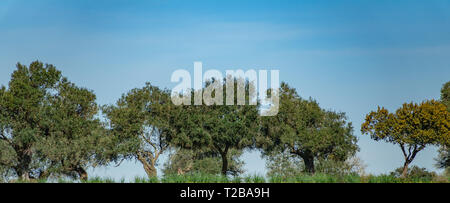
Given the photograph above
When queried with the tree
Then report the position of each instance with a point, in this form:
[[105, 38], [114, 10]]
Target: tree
[[47, 124], [412, 127], [22, 106], [140, 123], [219, 128], [284, 165], [184, 161], [414, 172], [307, 131]]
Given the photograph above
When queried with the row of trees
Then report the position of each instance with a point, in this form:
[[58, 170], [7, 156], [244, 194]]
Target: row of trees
[[49, 127]]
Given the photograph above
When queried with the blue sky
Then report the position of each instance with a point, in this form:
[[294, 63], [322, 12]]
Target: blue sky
[[349, 55]]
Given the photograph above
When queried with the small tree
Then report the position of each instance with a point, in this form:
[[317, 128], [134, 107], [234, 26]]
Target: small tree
[[284, 165], [185, 161], [414, 172], [412, 127]]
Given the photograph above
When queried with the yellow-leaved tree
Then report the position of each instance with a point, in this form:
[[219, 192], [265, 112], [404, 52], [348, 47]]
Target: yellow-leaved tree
[[412, 127]]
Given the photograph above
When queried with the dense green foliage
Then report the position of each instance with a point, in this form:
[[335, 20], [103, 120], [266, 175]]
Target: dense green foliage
[[47, 125]]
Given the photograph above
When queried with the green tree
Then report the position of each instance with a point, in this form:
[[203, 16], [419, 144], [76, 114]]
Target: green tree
[[22, 107], [218, 128], [140, 123], [305, 130], [412, 127], [414, 172], [47, 124], [284, 165]]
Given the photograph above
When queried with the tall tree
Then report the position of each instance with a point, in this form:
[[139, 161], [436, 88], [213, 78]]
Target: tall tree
[[22, 106], [412, 127], [218, 127], [47, 124], [305, 130], [140, 123]]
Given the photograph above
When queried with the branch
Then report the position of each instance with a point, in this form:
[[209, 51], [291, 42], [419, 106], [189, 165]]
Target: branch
[[148, 141], [402, 146], [409, 151], [417, 150], [141, 158], [218, 148], [120, 162], [2, 137]]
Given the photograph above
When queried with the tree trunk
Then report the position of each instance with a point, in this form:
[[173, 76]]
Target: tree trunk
[[409, 155], [43, 175], [405, 169], [22, 169], [224, 164], [82, 173], [309, 164], [25, 176], [150, 170]]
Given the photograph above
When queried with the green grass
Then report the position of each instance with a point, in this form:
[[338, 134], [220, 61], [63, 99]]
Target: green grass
[[206, 178]]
